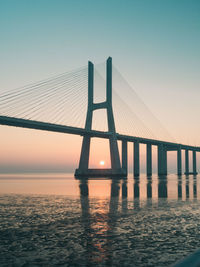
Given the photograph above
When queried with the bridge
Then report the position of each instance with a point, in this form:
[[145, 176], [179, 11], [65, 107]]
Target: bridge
[[118, 168]]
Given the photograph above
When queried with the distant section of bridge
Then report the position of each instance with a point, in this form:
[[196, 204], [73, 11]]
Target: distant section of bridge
[[118, 168]]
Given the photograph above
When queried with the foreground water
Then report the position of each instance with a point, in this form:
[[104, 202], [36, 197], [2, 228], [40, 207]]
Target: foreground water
[[49, 220]]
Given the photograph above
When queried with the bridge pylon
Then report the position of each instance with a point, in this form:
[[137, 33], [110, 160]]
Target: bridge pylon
[[116, 169]]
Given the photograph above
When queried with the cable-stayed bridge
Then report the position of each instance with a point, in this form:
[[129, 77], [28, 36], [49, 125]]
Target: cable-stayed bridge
[[67, 104]]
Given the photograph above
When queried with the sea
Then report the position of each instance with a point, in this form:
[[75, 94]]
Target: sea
[[57, 220]]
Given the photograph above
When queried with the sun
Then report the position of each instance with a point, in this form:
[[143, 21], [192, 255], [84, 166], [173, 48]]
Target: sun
[[102, 163]]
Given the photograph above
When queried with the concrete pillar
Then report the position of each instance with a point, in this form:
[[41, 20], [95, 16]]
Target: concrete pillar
[[109, 81], [194, 159], [159, 159], [124, 155], [162, 160], [85, 150], [136, 159], [186, 161], [85, 153], [149, 159], [165, 160], [179, 161], [114, 152]]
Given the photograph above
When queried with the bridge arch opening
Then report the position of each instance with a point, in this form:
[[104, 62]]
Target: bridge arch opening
[[172, 161], [100, 120], [99, 153]]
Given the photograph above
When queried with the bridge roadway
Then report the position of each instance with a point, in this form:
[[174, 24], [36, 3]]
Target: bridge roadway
[[32, 124]]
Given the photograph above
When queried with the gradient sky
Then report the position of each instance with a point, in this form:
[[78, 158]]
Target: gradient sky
[[155, 45]]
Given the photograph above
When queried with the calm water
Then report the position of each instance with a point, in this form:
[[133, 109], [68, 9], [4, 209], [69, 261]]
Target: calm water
[[50, 220]]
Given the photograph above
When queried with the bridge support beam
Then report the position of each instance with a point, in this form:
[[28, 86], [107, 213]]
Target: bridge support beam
[[124, 156], [194, 159], [162, 160], [179, 161], [136, 159], [186, 161], [149, 159]]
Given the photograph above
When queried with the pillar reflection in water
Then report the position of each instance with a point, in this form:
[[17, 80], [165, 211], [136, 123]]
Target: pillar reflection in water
[[149, 187], [111, 222], [162, 187], [179, 184], [136, 192], [195, 186], [149, 191], [86, 220], [187, 186], [187, 189], [98, 237], [136, 188], [124, 196]]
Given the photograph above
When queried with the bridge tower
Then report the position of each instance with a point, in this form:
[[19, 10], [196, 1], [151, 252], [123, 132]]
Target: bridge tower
[[116, 169]]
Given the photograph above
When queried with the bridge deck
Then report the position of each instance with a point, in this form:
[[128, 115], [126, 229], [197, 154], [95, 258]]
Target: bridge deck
[[31, 124]]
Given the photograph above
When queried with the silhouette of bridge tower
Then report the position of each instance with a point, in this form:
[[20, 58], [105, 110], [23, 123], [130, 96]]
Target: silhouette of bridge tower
[[116, 169]]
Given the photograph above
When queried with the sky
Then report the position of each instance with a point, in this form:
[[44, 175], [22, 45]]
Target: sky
[[155, 45]]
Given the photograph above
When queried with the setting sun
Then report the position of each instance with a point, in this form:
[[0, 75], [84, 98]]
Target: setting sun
[[102, 162]]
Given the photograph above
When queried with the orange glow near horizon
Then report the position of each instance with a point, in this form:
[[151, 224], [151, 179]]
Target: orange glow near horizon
[[99, 153]]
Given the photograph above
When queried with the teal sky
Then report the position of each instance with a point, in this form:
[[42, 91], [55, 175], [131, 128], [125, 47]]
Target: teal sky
[[144, 37], [154, 43]]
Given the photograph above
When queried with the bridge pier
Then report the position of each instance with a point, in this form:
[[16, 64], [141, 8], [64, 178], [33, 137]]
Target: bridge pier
[[124, 156], [136, 159], [179, 161], [186, 161], [149, 159], [194, 159], [162, 160], [165, 161]]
